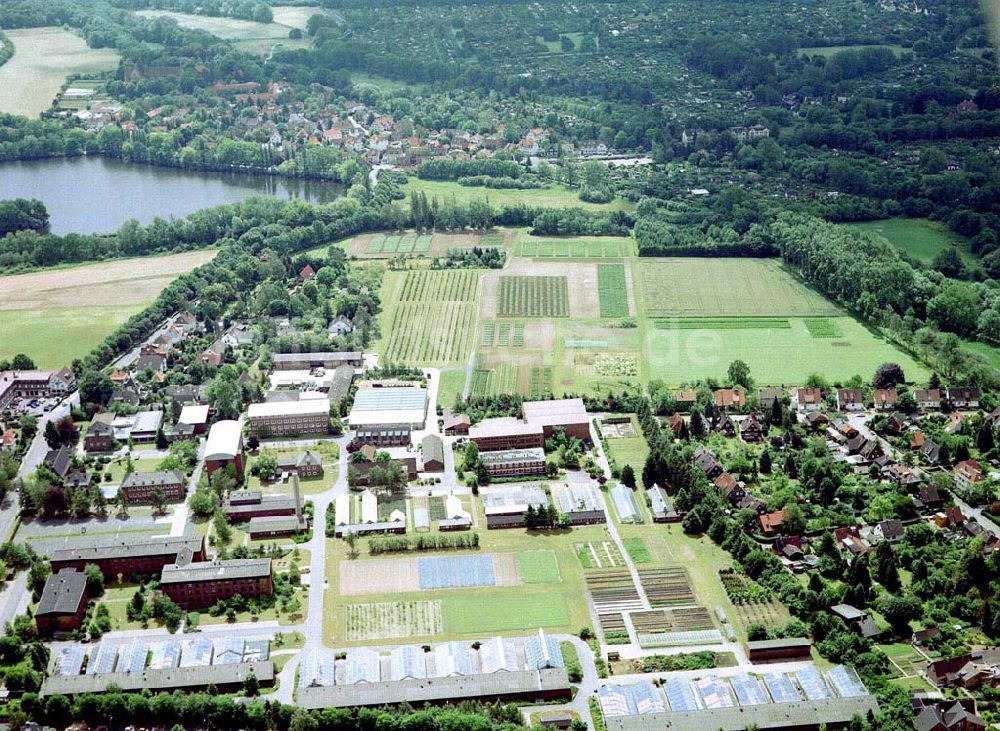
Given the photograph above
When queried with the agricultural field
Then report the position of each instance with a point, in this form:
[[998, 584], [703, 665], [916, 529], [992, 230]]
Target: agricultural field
[[554, 196], [612, 290], [251, 36], [785, 354], [33, 306], [528, 296], [686, 287], [43, 59], [919, 238], [610, 247], [416, 244], [295, 16], [429, 316], [393, 620]]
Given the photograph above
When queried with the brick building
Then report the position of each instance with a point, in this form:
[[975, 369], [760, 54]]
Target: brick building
[[492, 435], [514, 462], [196, 585], [142, 487], [308, 361], [137, 557], [224, 447], [63, 603], [279, 419]]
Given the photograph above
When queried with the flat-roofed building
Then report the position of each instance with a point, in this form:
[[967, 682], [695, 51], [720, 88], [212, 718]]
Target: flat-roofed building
[[195, 416], [289, 418], [138, 556], [502, 433], [789, 648], [308, 361], [224, 447], [197, 585], [514, 462], [63, 603], [143, 487], [384, 436], [224, 678], [404, 406], [570, 415]]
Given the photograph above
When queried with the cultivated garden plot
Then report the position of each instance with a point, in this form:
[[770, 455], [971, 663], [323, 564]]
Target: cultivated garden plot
[[612, 590], [415, 243], [430, 315], [393, 620], [407, 574], [599, 555], [612, 290], [533, 297], [583, 248], [667, 587], [536, 287]]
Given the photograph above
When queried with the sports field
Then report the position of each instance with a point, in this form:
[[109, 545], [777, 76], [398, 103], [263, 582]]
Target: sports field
[[688, 287], [429, 316], [43, 59], [919, 238], [82, 303]]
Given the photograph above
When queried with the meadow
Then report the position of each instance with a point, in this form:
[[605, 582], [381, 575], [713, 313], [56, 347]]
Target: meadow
[[919, 238], [249, 35], [555, 196], [43, 59], [81, 303], [687, 287], [776, 355], [430, 316], [606, 247], [828, 51]]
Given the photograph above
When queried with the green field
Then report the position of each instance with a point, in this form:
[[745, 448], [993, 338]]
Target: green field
[[538, 567], [62, 301], [637, 550], [507, 611], [43, 59], [520, 296], [612, 290], [919, 238], [775, 355], [429, 316], [991, 353], [610, 247], [500, 334], [688, 287], [249, 35], [555, 196], [828, 51], [452, 384]]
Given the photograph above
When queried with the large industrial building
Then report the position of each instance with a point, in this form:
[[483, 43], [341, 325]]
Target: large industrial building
[[399, 406]]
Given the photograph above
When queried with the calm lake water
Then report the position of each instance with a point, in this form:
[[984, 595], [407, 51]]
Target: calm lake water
[[96, 195]]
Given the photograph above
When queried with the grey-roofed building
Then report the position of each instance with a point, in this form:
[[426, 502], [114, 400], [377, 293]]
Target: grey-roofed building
[[145, 425], [582, 503], [528, 685], [514, 462], [63, 603], [308, 361], [136, 556], [202, 584], [225, 678], [432, 449], [340, 384]]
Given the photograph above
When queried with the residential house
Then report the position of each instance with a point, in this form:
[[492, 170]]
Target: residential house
[[927, 398], [954, 423], [849, 540], [676, 423], [705, 460], [730, 488], [767, 396], [917, 439], [856, 619], [99, 437], [890, 531], [931, 451], [730, 398], [949, 517], [930, 497], [886, 399], [341, 325], [685, 399], [963, 398], [771, 523], [751, 430], [850, 399], [967, 474], [307, 273], [948, 715], [807, 399]]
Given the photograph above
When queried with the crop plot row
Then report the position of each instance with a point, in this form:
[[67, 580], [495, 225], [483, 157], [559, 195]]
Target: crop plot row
[[613, 590], [393, 620], [576, 248], [613, 628], [439, 286], [530, 296], [429, 333], [500, 379], [667, 587], [542, 380], [724, 323], [503, 334], [599, 555], [612, 291], [823, 327]]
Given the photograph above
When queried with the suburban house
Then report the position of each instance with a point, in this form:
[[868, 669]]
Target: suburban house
[[685, 399], [927, 398], [886, 399], [963, 398], [340, 325], [63, 603], [967, 474], [857, 620], [751, 430], [931, 451], [730, 398], [99, 437], [889, 530], [767, 396], [771, 523], [807, 399], [850, 399]]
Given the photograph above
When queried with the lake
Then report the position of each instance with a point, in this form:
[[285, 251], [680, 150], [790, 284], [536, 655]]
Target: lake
[[97, 195]]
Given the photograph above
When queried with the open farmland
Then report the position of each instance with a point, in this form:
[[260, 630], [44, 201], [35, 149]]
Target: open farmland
[[82, 303], [295, 16], [609, 247], [527, 296], [553, 196], [612, 290], [249, 35], [686, 287], [430, 315], [43, 59]]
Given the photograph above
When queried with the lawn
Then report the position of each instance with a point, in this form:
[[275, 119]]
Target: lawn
[[637, 550], [991, 353], [688, 287], [43, 59], [430, 316], [506, 611], [919, 238], [775, 355], [538, 567], [33, 306], [555, 196], [452, 385]]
